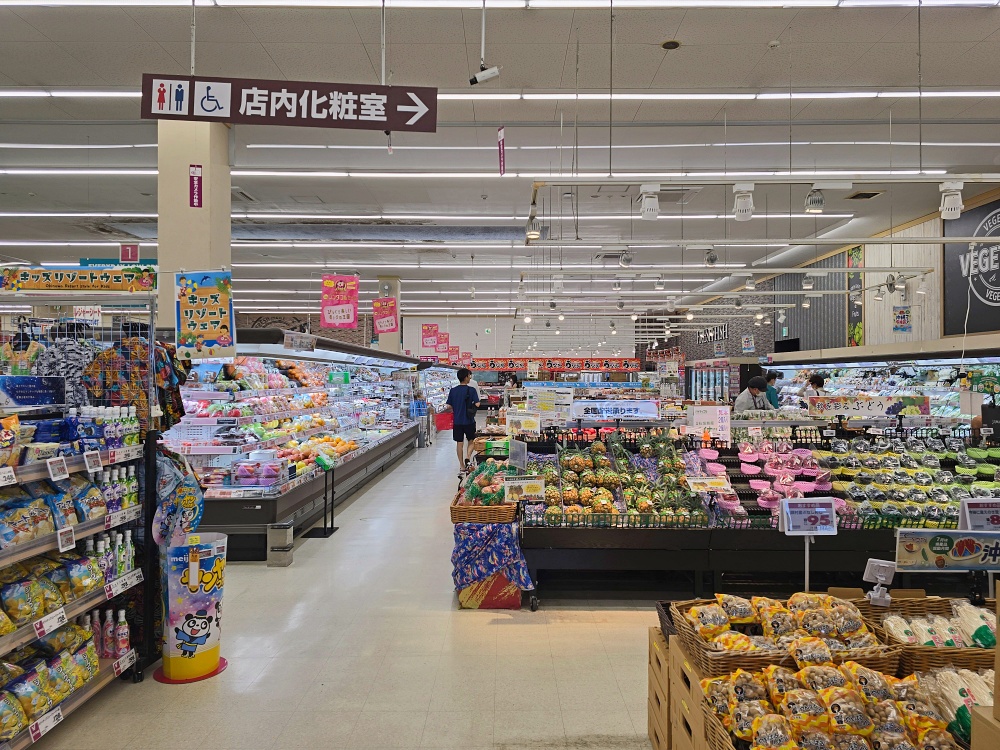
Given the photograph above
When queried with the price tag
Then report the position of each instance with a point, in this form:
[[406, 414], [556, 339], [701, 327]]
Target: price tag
[[945, 432], [124, 662], [812, 517], [985, 430], [980, 515], [876, 431], [45, 724], [226, 421], [123, 583], [122, 516], [66, 539], [50, 622], [829, 433], [755, 431], [93, 462], [131, 453], [57, 468], [7, 476]]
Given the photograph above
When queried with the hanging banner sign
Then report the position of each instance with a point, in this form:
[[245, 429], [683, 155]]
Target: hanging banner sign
[[936, 551], [89, 314], [608, 411], [195, 194], [384, 315], [204, 315], [902, 321], [453, 354], [855, 305], [244, 101], [112, 279], [869, 406], [971, 282], [443, 340], [560, 364], [339, 301], [429, 335], [465, 358], [501, 151]]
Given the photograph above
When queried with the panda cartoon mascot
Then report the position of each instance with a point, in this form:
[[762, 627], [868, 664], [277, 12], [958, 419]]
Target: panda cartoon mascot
[[193, 632]]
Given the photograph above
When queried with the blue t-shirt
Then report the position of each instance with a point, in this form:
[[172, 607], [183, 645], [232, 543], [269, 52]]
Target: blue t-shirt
[[458, 398]]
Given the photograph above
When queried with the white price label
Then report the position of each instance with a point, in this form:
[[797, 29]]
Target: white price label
[[755, 431], [122, 516], [945, 432], [66, 539], [123, 584], [50, 622], [7, 476], [124, 662], [45, 724], [986, 431], [809, 517], [876, 431], [57, 468], [981, 515], [829, 433], [121, 455], [92, 460]]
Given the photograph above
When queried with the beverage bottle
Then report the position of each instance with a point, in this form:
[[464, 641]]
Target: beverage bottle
[[98, 630], [121, 636], [108, 634], [88, 547], [129, 553], [120, 568], [103, 562], [133, 426], [99, 419], [133, 487]]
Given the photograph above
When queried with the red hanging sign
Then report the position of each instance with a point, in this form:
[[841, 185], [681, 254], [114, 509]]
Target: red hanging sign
[[560, 364], [384, 315], [339, 302], [429, 335], [442, 343]]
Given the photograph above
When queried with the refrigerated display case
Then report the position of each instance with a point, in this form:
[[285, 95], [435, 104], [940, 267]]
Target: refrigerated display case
[[719, 379], [435, 382]]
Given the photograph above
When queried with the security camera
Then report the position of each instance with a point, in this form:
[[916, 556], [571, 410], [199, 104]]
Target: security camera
[[620, 305], [485, 74], [711, 258], [738, 302]]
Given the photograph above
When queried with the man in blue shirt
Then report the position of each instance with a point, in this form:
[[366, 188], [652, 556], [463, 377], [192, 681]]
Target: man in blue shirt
[[463, 400]]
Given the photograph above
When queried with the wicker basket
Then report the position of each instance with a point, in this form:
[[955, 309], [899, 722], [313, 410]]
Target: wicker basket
[[505, 513], [916, 607], [716, 735], [666, 621], [710, 663]]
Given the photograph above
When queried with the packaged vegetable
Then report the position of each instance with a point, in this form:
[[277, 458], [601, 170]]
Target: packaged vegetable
[[805, 711], [777, 621], [708, 620], [975, 626], [835, 644], [816, 622], [920, 716], [802, 600], [850, 742], [744, 686], [738, 610], [905, 687], [847, 620], [743, 714], [979, 687], [810, 651], [899, 629], [955, 700], [760, 603], [936, 739], [890, 727], [12, 718], [872, 685], [861, 640], [951, 636], [925, 633], [22, 601], [811, 739], [821, 677], [716, 690], [772, 732], [33, 698], [730, 640], [847, 711], [778, 681]]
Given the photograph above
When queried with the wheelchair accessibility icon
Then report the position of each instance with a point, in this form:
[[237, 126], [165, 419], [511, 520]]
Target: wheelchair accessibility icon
[[211, 98], [209, 103]]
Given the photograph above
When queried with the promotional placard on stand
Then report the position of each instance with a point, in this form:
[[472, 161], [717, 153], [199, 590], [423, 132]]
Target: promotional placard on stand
[[808, 518]]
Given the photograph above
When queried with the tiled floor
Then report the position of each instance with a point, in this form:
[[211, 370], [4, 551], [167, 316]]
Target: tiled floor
[[359, 644]]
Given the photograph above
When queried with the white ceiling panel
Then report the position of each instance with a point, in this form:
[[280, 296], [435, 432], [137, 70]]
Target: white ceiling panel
[[896, 65], [44, 63], [330, 26], [635, 65], [83, 24], [853, 25], [805, 65], [525, 66], [842, 109], [966, 61], [733, 26], [519, 27], [631, 27], [14, 29], [708, 66], [348, 63], [441, 65], [741, 111], [117, 64], [659, 111], [101, 109], [238, 60], [940, 25]]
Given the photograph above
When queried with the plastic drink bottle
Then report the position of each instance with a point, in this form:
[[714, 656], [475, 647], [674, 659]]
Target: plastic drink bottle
[[122, 646], [120, 568], [133, 487], [109, 634], [102, 561], [129, 553]]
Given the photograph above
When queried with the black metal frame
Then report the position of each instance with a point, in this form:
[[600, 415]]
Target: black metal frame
[[329, 506]]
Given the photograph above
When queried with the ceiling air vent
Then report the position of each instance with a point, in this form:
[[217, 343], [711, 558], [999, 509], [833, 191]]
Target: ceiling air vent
[[241, 196], [864, 195]]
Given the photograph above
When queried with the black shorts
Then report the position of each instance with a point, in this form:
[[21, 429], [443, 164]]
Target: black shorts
[[462, 432]]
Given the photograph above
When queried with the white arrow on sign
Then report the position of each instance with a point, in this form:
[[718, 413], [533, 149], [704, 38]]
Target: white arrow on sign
[[419, 110]]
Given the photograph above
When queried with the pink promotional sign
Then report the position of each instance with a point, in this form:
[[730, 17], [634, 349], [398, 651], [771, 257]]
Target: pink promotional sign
[[194, 186], [442, 344], [453, 353], [384, 315], [429, 335], [339, 302], [465, 358]]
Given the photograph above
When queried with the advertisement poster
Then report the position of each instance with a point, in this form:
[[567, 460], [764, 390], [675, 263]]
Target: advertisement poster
[[972, 276], [429, 335], [559, 364], [465, 359], [936, 551], [554, 405], [856, 310], [524, 423], [204, 314], [719, 348], [901, 322], [453, 353], [443, 343], [609, 411], [526, 489], [111, 279], [384, 315], [715, 419], [339, 301], [869, 406], [747, 344]]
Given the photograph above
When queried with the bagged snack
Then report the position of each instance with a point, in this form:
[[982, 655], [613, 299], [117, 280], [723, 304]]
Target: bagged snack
[[78, 675], [52, 598], [744, 686], [39, 566], [41, 517], [32, 696], [777, 621], [90, 651], [899, 629], [975, 625], [60, 578], [6, 626], [13, 572], [12, 718], [743, 714], [69, 637], [772, 732], [730, 640], [88, 499], [816, 622], [60, 682], [22, 601], [810, 651], [59, 501], [821, 677], [84, 576], [802, 600], [847, 711], [708, 620], [716, 690], [16, 525], [872, 685], [778, 681], [738, 610], [814, 740], [805, 711], [847, 620]]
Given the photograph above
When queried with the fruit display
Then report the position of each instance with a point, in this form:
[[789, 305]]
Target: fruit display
[[484, 485], [255, 407]]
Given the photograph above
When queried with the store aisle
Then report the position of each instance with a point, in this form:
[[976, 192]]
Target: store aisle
[[359, 644]]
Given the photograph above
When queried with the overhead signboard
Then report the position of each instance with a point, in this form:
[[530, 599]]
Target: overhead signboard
[[311, 104], [971, 278], [939, 551], [574, 364], [607, 411]]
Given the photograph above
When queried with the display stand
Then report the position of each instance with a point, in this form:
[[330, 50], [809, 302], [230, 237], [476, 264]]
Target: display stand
[[326, 531]]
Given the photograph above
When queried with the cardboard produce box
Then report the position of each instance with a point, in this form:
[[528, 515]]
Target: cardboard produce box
[[685, 694], [985, 729], [658, 658], [996, 665], [659, 737]]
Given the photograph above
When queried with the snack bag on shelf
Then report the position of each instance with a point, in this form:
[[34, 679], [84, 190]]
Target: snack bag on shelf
[[779, 680], [708, 620], [772, 732], [817, 622], [52, 598], [823, 676], [16, 524], [872, 685], [8, 671], [59, 684], [846, 709], [13, 572], [85, 575], [810, 651], [744, 686], [69, 636], [83, 660], [716, 690], [738, 609], [777, 621], [30, 692], [742, 716], [87, 497], [805, 711], [12, 718], [75, 673], [60, 578], [22, 601], [59, 502]]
